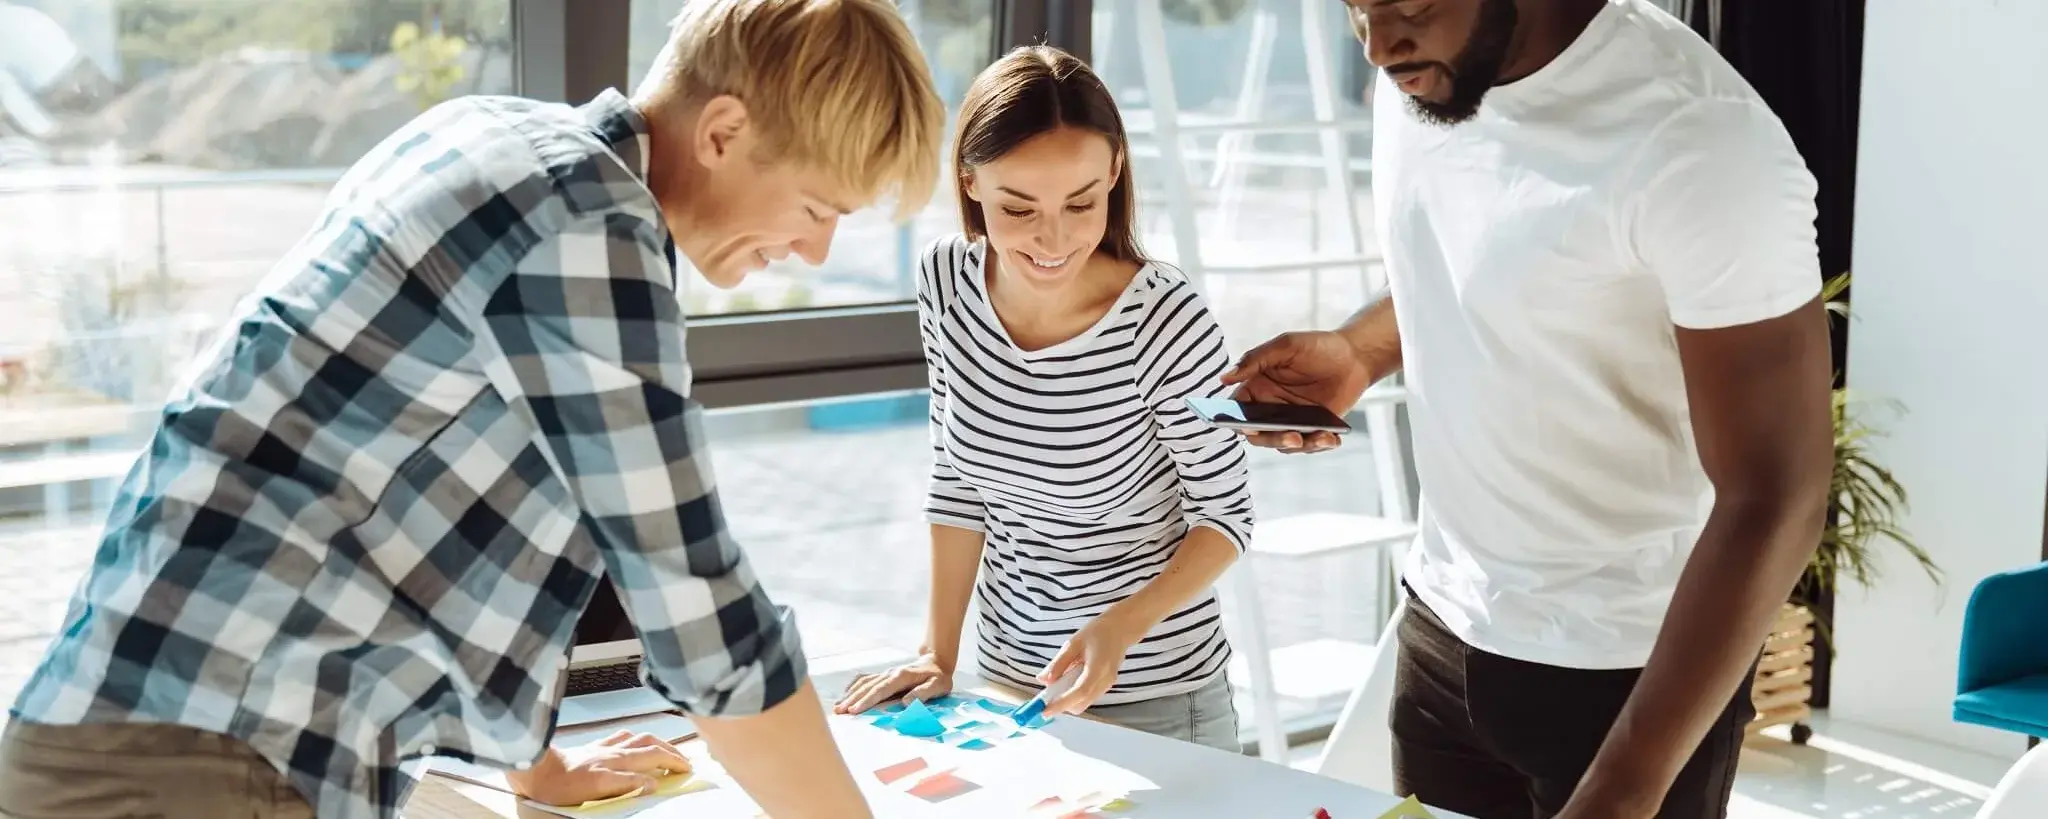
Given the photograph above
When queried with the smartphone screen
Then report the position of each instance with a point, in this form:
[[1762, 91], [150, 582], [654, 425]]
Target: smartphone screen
[[1224, 412]]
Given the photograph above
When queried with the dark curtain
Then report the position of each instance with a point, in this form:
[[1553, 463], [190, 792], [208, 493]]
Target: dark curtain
[[1805, 57]]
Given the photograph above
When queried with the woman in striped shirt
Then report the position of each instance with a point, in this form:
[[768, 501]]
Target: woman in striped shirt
[[1066, 467]]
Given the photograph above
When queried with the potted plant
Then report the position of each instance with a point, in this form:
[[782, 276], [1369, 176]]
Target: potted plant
[[1865, 504]]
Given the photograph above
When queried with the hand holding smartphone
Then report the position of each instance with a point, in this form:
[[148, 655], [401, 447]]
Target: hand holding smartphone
[[1246, 416]]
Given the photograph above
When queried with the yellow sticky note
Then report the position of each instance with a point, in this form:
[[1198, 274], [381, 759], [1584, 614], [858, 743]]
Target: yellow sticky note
[[671, 785], [1410, 808], [1117, 805]]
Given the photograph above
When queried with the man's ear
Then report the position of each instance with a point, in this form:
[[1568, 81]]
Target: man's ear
[[722, 130]]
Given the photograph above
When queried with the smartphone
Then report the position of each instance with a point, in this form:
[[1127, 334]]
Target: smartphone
[[1251, 417]]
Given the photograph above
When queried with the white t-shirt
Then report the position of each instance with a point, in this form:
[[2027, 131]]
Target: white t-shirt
[[1539, 256]]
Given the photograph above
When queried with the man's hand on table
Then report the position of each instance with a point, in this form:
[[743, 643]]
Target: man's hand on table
[[924, 678], [613, 766]]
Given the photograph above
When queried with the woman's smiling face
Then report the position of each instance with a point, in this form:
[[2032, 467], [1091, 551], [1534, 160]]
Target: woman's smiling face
[[1045, 204]]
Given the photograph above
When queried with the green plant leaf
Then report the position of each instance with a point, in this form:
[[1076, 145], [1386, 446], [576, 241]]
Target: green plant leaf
[[1866, 502]]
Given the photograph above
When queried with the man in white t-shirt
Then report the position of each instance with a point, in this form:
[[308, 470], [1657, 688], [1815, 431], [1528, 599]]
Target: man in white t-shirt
[[1600, 247]]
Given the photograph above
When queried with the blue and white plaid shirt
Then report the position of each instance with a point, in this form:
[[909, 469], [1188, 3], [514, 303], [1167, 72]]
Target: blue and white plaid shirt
[[365, 528]]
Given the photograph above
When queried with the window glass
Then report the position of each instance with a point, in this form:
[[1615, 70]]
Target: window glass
[[1267, 199], [156, 158]]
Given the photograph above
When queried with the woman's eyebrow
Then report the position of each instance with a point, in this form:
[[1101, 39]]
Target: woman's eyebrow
[[1029, 198]]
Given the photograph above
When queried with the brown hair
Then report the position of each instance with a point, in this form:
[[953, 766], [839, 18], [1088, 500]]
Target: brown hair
[[1031, 91]]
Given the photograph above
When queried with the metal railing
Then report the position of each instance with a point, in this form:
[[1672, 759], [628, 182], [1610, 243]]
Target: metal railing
[[75, 179]]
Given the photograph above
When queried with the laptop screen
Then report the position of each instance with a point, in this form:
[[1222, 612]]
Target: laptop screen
[[604, 620]]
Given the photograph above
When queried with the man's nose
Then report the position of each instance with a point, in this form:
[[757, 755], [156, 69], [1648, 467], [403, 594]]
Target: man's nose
[[1386, 43], [813, 248]]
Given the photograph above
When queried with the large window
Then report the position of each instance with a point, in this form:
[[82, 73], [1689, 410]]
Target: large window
[[156, 158], [1276, 243]]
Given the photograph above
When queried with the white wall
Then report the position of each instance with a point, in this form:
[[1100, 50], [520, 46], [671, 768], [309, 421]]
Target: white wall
[[1951, 305]]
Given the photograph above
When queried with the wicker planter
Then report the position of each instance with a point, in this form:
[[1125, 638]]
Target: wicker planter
[[1784, 676]]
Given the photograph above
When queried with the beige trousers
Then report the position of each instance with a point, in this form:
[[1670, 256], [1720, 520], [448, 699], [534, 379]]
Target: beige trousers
[[138, 770]]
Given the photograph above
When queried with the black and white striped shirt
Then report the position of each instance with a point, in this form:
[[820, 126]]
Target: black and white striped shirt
[[1083, 466]]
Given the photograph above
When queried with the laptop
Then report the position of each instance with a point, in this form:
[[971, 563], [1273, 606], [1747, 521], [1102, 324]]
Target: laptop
[[602, 681], [605, 655]]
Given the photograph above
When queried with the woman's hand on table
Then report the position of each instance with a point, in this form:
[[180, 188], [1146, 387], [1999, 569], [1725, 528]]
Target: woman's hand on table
[[921, 679], [616, 765], [1099, 649]]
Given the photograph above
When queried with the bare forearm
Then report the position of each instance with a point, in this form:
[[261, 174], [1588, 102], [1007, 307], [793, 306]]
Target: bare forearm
[[1194, 568], [785, 758], [956, 557], [1749, 558], [1760, 418], [1375, 333]]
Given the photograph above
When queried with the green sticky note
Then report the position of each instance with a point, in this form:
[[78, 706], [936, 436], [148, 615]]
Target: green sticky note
[[1410, 808], [1117, 805]]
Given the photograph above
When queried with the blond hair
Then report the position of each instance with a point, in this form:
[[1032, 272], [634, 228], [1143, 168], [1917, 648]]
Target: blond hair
[[837, 85]]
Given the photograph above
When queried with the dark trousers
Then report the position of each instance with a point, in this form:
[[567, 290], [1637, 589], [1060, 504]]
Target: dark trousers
[[1496, 738]]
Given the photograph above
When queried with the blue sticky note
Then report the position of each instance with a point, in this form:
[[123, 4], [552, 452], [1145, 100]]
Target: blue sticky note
[[976, 745], [919, 721], [883, 721]]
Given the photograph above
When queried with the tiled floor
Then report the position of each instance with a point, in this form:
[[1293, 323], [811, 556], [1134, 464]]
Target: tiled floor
[[1853, 771]]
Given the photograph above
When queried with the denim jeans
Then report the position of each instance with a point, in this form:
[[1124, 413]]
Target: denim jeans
[[1205, 716]]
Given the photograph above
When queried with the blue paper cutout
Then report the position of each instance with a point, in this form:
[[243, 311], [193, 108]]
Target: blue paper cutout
[[972, 724], [919, 721]]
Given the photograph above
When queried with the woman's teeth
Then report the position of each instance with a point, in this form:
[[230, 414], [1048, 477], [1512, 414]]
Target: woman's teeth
[[1047, 264]]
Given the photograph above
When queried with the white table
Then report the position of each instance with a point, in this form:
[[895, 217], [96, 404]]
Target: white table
[[1197, 782], [1186, 781]]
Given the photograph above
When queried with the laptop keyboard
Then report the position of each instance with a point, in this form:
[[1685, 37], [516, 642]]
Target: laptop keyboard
[[596, 679]]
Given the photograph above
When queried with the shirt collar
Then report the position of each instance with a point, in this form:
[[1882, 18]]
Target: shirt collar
[[620, 125]]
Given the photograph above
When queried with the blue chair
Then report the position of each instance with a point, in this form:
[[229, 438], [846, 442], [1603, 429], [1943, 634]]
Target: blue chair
[[2003, 678]]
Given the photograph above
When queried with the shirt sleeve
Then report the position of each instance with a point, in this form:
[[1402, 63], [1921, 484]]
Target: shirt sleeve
[[588, 336], [950, 500], [1181, 354], [1723, 215]]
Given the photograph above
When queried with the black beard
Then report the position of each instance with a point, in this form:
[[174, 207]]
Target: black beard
[[1477, 69]]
